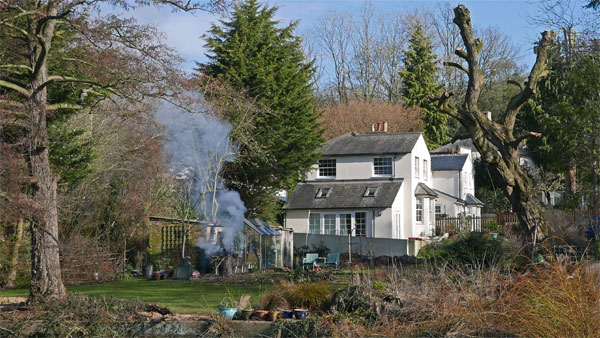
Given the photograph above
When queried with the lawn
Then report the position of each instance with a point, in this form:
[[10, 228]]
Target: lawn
[[179, 296]]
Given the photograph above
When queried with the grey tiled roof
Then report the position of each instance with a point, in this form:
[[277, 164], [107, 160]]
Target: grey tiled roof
[[450, 148], [448, 162], [472, 200], [457, 199], [343, 195], [423, 190], [375, 143]]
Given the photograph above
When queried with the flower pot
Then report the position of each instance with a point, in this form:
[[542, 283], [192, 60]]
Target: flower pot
[[494, 235], [287, 314], [261, 314], [228, 312], [273, 315], [246, 314], [300, 313]]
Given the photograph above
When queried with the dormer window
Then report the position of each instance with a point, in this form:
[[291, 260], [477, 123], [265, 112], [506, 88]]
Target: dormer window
[[371, 192], [382, 166], [327, 167], [323, 193]]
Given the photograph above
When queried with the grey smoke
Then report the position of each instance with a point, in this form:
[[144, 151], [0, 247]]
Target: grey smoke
[[199, 146]]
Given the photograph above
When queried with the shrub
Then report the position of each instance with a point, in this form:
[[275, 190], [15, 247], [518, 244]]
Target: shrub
[[473, 248], [310, 296], [555, 300], [273, 300]]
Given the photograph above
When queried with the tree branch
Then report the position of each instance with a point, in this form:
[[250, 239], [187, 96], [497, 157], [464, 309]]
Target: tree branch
[[445, 104], [513, 82], [524, 136], [15, 87], [63, 106], [538, 71], [456, 65]]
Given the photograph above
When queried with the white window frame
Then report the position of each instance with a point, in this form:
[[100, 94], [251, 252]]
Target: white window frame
[[334, 167], [374, 190], [342, 231], [438, 214], [383, 166], [356, 226], [425, 176], [324, 227], [417, 167], [419, 210], [310, 229], [320, 192]]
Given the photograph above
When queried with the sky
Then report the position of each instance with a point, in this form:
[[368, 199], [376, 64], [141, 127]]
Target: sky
[[183, 31]]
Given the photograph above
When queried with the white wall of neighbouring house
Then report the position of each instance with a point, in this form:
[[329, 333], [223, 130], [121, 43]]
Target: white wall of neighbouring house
[[446, 181], [411, 180]]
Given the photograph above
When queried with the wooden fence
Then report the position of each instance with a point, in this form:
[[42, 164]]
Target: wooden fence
[[503, 219]]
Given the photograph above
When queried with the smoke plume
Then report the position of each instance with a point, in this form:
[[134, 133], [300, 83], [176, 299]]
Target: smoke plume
[[199, 146]]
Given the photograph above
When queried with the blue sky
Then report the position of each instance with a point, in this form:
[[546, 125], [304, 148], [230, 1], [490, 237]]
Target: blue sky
[[183, 30]]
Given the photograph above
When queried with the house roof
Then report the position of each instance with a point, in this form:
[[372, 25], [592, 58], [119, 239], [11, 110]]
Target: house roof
[[457, 200], [451, 148], [344, 195], [448, 162], [472, 200], [423, 190], [374, 143]]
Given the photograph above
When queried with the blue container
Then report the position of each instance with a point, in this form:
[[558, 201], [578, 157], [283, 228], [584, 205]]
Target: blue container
[[287, 314], [228, 312], [300, 314]]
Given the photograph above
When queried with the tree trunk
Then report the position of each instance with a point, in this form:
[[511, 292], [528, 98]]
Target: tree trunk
[[14, 256], [496, 142], [571, 178], [46, 278]]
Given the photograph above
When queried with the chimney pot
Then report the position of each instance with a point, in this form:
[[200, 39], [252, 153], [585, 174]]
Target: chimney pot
[[385, 125], [489, 115], [379, 128], [373, 128]]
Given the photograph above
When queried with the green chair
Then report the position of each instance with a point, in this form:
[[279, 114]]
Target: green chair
[[333, 260], [310, 261]]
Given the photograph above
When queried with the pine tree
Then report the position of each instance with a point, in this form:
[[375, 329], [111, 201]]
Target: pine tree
[[419, 82], [252, 54]]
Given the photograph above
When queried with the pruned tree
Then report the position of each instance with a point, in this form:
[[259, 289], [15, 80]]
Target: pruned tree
[[106, 58], [498, 142]]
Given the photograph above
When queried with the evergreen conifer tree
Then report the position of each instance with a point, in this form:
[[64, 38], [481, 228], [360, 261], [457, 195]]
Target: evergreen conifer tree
[[253, 55], [419, 82]]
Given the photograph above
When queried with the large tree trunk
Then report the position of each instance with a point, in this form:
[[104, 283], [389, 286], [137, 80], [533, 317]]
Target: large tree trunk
[[14, 256], [46, 278], [496, 142]]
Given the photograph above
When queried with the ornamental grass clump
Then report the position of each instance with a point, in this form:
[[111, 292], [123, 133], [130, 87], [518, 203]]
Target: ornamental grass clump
[[554, 300]]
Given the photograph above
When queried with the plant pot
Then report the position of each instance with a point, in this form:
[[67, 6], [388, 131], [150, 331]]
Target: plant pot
[[494, 235], [228, 312], [261, 314], [287, 314], [300, 313], [246, 314], [273, 315]]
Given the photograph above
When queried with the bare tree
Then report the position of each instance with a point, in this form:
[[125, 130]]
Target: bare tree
[[115, 58], [498, 142]]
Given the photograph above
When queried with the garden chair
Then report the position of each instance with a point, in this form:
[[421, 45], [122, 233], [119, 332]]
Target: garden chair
[[310, 261], [333, 259]]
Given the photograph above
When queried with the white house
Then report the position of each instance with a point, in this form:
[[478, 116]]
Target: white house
[[454, 182], [374, 185]]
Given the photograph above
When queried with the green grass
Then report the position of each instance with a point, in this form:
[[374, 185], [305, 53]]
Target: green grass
[[179, 296]]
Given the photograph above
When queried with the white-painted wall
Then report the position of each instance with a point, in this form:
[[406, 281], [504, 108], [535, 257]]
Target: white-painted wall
[[361, 168], [411, 180]]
